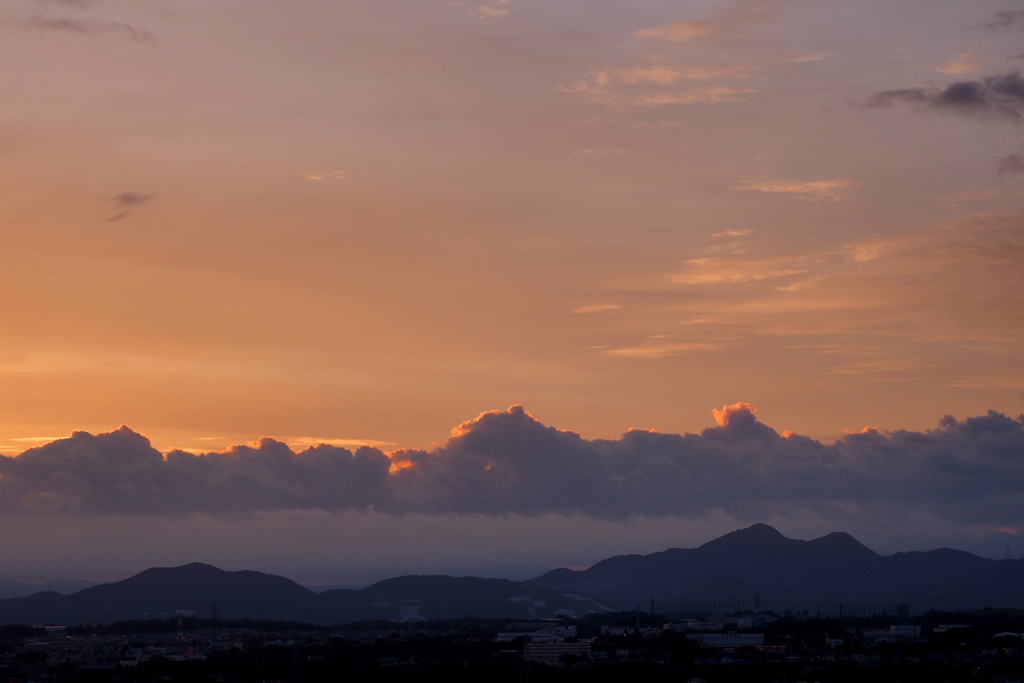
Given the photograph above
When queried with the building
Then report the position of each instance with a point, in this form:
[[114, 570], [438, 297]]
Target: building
[[547, 635], [550, 653], [703, 626], [728, 639], [895, 632]]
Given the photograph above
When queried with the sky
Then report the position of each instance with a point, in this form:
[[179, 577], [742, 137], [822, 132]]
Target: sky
[[375, 225]]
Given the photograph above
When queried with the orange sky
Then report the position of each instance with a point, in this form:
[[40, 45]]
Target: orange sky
[[364, 222], [371, 220]]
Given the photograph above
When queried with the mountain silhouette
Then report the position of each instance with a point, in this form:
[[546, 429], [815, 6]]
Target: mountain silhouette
[[164, 592], [756, 565], [759, 564]]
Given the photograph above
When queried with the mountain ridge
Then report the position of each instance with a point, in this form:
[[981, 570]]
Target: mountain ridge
[[755, 566]]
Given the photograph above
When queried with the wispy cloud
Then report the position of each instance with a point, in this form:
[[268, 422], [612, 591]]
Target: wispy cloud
[[732, 233], [85, 27], [1009, 379], [732, 270], [626, 89], [956, 285], [325, 175], [694, 62], [77, 4], [595, 308], [967, 197], [497, 9], [834, 190], [601, 151], [311, 441], [885, 367], [961, 65], [662, 346], [736, 21], [1012, 163], [126, 201], [682, 32], [1006, 19]]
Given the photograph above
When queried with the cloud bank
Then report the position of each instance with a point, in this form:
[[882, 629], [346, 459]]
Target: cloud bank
[[999, 96], [968, 472]]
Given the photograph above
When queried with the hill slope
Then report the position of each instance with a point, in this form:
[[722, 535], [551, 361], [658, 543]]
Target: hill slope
[[157, 593], [758, 561], [786, 573]]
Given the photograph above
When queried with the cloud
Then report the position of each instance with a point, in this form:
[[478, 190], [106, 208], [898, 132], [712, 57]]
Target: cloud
[[682, 32], [967, 197], [130, 199], [601, 151], [732, 233], [626, 89], [1013, 163], [595, 308], [125, 202], [1005, 19], [662, 346], [960, 65], [493, 10], [325, 175], [691, 62], [835, 190], [507, 462], [992, 96], [729, 270], [77, 4], [736, 413], [745, 20], [91, 28], [889, 307], [120, 472]]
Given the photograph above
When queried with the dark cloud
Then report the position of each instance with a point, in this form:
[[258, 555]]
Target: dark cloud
[[963, 472], [1012, 163], [1005, 19], [129, 199], [1000, 96], [126, 201], [121, 472], [92, 28]]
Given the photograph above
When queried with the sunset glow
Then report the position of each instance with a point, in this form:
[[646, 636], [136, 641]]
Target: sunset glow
[[331, 227]]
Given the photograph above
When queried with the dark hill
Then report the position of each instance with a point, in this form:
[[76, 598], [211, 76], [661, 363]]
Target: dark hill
[[758, 561], [162, 592], [786, 573]]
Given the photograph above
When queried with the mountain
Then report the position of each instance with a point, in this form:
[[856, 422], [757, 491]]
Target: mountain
[[760, 564], [18, 589], [162, 592], [740, 569]]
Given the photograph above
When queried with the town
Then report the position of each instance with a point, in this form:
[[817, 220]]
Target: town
[[984, 645]]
